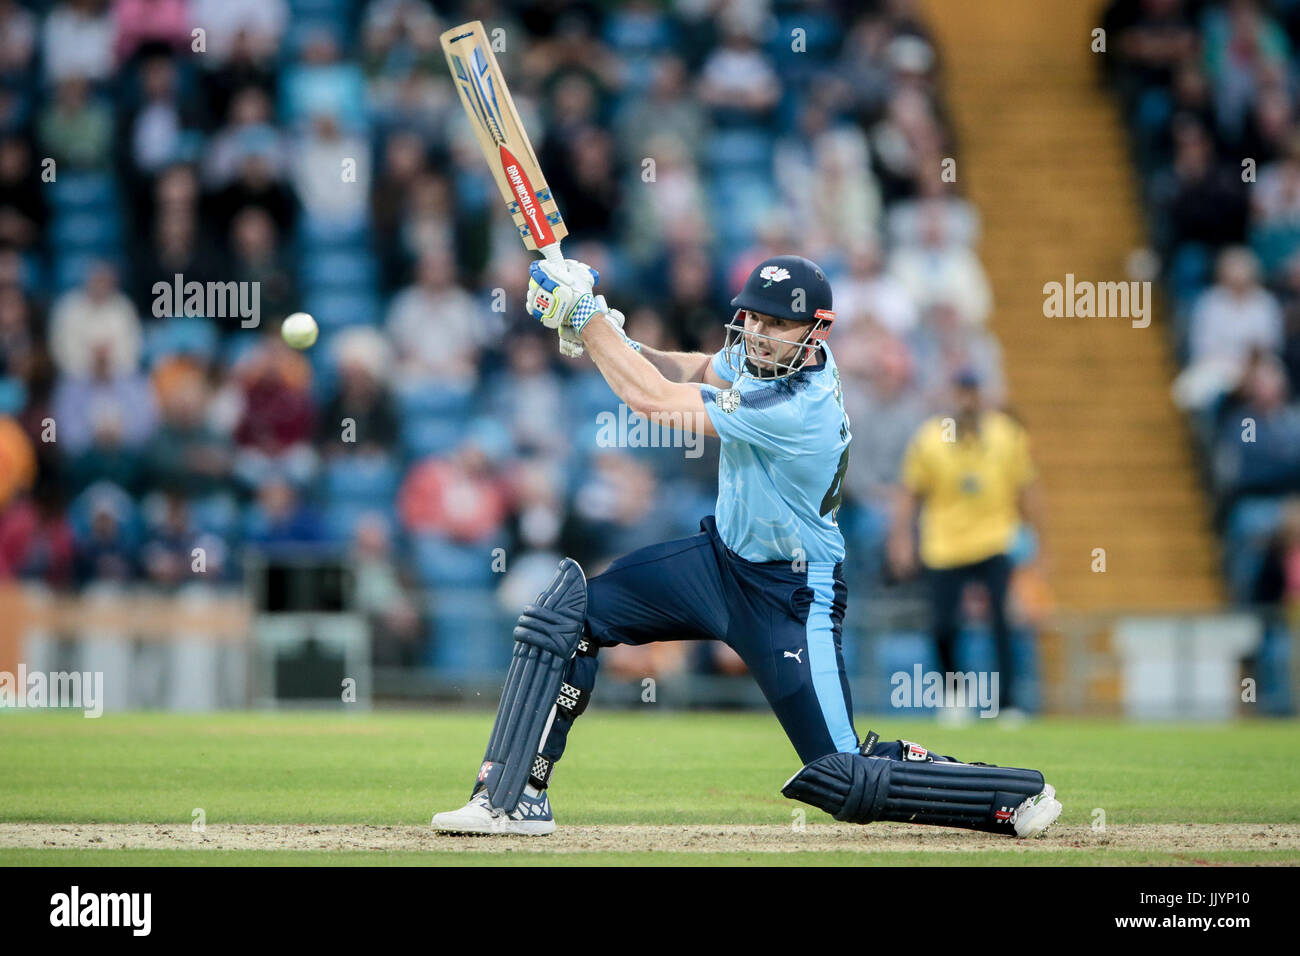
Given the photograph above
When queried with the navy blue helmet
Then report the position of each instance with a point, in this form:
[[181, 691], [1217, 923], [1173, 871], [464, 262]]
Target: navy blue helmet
[[784, 287]]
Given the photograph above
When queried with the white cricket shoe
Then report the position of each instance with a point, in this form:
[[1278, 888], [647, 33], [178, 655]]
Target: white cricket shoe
[[1036, 814], [531, 818]]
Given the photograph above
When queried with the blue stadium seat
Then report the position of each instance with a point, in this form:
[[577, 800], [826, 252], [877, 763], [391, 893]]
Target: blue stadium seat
[[182, 335], [90, 231], [367, 479], [316, 234], [739, 150], [216, 514], [470, 635], [71, 268], [431, 399], [440, 562], [339, 271], [343, 517], [83, 190], [432, 435], [335, 310], [13, 395]]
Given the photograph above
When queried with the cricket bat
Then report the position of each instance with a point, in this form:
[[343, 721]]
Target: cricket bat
[[502, 137]]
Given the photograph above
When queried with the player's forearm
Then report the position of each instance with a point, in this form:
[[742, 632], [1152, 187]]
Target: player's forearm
[[632, 375], [677, 366]]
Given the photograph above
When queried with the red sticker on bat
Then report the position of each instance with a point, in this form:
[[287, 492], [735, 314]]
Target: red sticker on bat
[[529, 205]]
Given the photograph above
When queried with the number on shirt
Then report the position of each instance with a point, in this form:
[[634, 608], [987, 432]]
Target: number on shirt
[[831, 500]]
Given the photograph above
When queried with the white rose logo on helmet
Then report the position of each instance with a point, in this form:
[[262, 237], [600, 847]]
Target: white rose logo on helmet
[[773, 274]]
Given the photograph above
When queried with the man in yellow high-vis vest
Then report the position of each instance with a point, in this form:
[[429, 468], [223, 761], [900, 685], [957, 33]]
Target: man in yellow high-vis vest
[[972, 480]]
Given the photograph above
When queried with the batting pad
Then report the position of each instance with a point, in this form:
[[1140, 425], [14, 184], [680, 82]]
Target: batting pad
[[546, 637], [857, 789]]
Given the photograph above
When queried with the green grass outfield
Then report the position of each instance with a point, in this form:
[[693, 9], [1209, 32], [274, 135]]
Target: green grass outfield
[[623, 769]]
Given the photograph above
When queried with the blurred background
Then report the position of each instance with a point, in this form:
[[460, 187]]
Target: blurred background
[[214, 520]]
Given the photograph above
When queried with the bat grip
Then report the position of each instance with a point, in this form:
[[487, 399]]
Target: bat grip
[[552, 252]]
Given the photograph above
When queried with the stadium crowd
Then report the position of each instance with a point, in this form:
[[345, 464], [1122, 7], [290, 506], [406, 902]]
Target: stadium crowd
[[317, 148], [1210, 93]]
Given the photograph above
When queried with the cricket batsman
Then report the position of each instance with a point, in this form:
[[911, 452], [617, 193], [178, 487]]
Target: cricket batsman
[[763, 575]]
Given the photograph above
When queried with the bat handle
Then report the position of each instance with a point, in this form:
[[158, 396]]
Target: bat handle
[[552, 252]]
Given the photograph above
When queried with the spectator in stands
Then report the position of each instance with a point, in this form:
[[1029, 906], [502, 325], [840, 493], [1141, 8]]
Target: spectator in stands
[[279, 518], [17, 461], [95, 324], [36, 541], [76, 130], [228, 23], [1151, 42], [166, 554], [428, 223], [1243, 47], [248, 65], [20, 339], [526, 393], [78, 41], [617, 503], [383, 596], [103, 420], [737, 80], [435, 325], [868, 292], [106, 553], [402, 163], [1278, 581], [1234, 316], [18, 27], [155, 132], [937, 272], [1197, 200], [667, 109], [671, 208], [321, 81], [250, 110], [885, 407], [186, 453], [176, 248], [331, 172], [360, 418], [906, 144], [1257, 449], [460, 496], [150, 24], [24, 210], [257, 255], [692, 312], [257, 183], [277, 417]]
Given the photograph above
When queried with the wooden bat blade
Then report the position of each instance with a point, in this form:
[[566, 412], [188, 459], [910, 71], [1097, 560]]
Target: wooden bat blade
[[509, 154]]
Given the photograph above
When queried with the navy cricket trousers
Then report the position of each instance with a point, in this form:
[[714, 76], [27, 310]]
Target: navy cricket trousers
[[784, 624]]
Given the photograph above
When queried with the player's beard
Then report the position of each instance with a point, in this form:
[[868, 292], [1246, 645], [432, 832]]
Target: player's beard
[[772, 357]]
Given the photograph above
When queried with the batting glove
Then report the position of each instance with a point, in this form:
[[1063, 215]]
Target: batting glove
[[560, 293]]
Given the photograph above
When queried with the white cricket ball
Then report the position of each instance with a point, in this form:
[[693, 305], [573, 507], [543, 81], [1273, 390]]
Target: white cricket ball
[[299, 330]]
